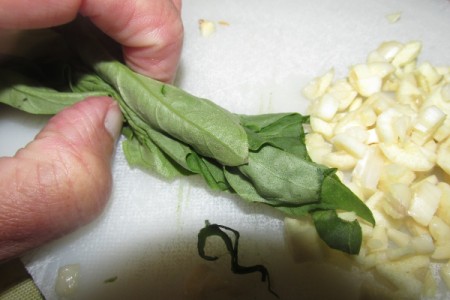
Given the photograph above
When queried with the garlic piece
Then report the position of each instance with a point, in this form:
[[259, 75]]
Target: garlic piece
[[207, 28], [67, 280]]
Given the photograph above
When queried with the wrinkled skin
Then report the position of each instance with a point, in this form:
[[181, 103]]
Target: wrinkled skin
[[62, 179]]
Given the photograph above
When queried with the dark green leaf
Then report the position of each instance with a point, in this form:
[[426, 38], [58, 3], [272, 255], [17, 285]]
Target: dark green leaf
[[337, 233], [110, 280], [338, 196], [232, 248]]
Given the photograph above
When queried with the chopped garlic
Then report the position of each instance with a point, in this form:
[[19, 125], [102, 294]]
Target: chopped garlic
[[400, 252], [207, 28], [357, 103], [409, 155], [427, 76], [400, 238], [430, 285], [439, 230], [388, 50], [443, 156], [429, 119], [423, 244], [364, 80], [394, 17], [327, 107], [367, 171], [387, 126], [424, 203], [344, 93], [317, 147], [445, 92], [67, 280], [350, 144], [318, 86], [445, 274], [402, 273], [408, 87], [395, 173], [340, 159], [443, 132], [441, 252], [443, 210], [223, 23], [407, 54], [320, 126], [379, 239], [398, 197]]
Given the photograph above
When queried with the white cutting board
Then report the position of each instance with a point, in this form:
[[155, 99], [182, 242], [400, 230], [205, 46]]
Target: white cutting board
[[257, 64]]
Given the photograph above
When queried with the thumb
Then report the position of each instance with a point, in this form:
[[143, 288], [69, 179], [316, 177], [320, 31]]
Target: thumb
[[61, 180]]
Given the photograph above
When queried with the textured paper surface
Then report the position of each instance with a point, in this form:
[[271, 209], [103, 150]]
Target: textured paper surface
[[258, 63]]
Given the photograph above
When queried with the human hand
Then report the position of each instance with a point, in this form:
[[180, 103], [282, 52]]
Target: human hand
[[62, 179]]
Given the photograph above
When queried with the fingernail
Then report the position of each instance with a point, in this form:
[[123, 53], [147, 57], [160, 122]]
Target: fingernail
[[114, 120]]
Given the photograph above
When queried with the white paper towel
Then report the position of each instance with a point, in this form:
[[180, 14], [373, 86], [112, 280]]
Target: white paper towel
[[257, 64]]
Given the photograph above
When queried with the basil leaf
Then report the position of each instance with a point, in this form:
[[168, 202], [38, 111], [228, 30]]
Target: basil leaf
[[206, 127], [32, 96], [281, 176], [241, 185], [336, 195], [169, 132], [211, 172], [339, 234], [284, 131], [150, 157], [232, 248]]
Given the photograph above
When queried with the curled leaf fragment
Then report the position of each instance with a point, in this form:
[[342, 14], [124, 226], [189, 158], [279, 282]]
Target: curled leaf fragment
[[232, 248]]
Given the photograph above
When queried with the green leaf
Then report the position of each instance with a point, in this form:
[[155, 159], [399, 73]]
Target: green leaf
[[282, 130], [29, 95], [338, 196], [111, 279], [170, 132], [211, 172], [337, 233], [207, 128], [241, 185], [283, 177], [232, 248], [150, 157]]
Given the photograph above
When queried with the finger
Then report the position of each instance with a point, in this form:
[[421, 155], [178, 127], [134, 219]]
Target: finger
[[177, 4], [61, 180], [23, 14], [150, 31]]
